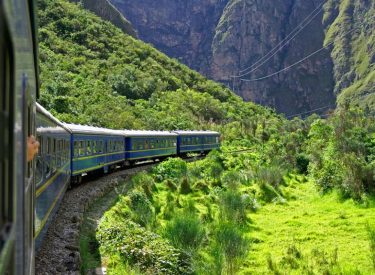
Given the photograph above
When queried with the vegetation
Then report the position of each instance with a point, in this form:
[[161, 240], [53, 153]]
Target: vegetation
[[351, 25], [226, 213]]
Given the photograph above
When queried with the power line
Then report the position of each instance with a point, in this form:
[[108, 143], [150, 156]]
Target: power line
[[282, 43], [298, 62], [311, 111]]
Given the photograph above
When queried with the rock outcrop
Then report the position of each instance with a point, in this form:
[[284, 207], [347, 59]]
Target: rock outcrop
[[219, 38], [105, 10]]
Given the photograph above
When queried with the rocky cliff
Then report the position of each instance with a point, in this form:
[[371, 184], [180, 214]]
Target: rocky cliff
[[105, 10], [219, 38]]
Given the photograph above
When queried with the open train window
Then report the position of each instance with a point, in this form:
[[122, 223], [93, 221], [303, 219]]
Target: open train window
[[39, 162]]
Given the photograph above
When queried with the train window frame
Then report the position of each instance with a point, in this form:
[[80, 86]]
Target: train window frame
[[39, 160]]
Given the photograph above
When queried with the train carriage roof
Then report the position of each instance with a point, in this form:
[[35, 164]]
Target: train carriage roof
[[142, 133], [197, 133], [86, 129], [41, 110]]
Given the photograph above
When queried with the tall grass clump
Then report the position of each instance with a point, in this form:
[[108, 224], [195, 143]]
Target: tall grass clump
[[233, 207], [233, 245], [371, 236], [185, 231]]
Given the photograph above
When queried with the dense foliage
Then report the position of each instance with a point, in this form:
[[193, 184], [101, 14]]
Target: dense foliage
[[342, 152]]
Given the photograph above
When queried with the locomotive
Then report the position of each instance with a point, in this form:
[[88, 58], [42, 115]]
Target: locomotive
[[30, 192]]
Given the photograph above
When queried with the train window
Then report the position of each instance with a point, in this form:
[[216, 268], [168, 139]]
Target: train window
[[39, 164], [100, 146], [88, 148], [93, 147], [81, 148], [76, 148]]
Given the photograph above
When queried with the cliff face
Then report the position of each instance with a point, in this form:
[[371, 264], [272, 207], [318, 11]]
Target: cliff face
[[221, 38], [183, 29], [105, 10], [248, 30]]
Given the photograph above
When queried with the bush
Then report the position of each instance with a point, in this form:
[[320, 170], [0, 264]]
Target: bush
[[128, 243], [173, 169], [146, 182], [185, 186], [143, 213], [302, 163]]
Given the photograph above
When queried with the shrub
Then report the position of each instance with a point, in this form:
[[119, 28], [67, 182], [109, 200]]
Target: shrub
[[146, 182], [173, 169], [142, 209], [272, 175], [302, 163], [231, 179], [185, 186], [127, 243]]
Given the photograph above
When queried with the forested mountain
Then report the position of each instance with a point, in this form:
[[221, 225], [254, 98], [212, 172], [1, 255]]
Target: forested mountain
[[93, 73], [221, 38]]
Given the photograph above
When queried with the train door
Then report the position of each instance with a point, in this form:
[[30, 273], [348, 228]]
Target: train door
[[7, 183]]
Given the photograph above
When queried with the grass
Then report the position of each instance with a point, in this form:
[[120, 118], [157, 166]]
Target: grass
[[314, 224]]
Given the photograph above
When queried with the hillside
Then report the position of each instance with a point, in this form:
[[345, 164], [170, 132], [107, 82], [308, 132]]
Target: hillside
[[351, 26], [93, 73]]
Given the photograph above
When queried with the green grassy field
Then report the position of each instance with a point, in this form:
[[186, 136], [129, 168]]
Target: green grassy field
[[311, 230]]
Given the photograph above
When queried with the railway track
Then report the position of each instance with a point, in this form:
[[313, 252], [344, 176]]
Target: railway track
[[59, 253]]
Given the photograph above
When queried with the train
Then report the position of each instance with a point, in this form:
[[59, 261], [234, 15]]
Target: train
[[69, 152], [30, 192]]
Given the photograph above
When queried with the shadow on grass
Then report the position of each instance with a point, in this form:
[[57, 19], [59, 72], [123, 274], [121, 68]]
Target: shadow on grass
[[89, 245]]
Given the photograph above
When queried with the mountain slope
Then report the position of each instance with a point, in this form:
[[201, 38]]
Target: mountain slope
[[351, 26], [92, 73], [220, 38]]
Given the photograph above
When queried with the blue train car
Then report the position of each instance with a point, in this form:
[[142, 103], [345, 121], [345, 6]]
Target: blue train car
[[52, 171], [197, 141], [94, 150], [18, 91], [145, 145]]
